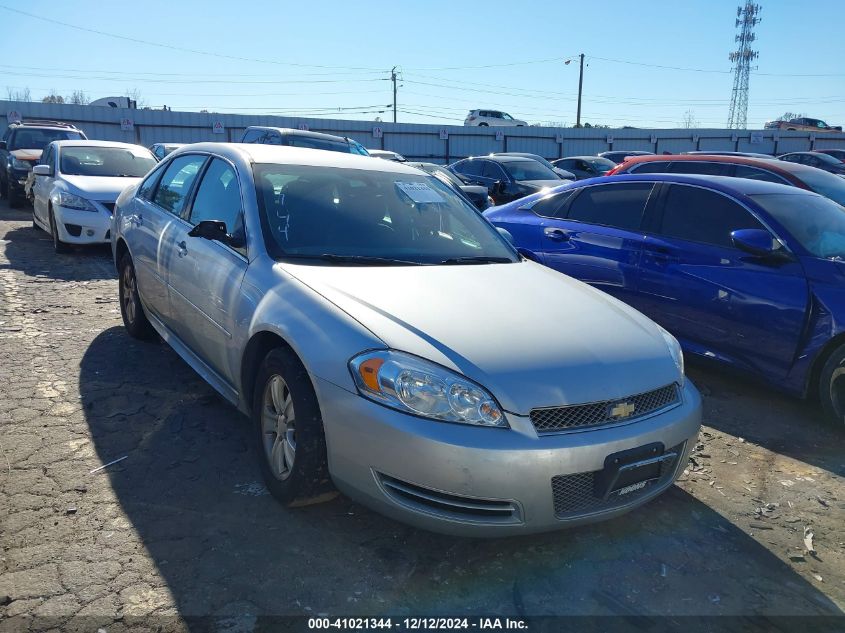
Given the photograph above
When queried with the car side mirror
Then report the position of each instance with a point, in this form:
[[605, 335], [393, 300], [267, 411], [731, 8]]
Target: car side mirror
[[505, 234], [2, 144], [42, 170], [211, 230], [756, 242], [499, 187]]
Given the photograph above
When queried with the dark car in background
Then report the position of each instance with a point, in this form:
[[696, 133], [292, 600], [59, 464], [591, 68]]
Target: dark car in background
[[817, 160], [302, 138], [506, 177], [743, 272], [585, 166], [476, 194], [836, 153], [618, 156], [160, 150], [768, 169], [20, 150], [564, 175], [724, 153]]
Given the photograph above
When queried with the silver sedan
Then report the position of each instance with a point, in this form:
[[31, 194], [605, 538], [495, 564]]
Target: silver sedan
[[388, 341]]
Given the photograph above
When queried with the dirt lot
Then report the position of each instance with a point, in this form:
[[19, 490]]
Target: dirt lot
[[183, 527]]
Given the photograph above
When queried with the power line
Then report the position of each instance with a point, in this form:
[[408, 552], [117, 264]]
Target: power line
[[126, 79], [191, 76], [172, 47]]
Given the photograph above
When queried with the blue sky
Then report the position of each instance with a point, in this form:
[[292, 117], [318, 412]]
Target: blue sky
[[332, 58]]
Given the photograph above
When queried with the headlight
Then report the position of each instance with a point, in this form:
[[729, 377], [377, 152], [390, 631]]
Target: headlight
[[21, 164], [675, 350], [420, 387], [71, 201]]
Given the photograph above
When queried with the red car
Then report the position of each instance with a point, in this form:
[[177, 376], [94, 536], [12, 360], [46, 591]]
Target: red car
[[771, 170]]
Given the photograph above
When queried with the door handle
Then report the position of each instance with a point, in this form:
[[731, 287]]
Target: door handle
[[137, 220], [557, 235], [183, 248]]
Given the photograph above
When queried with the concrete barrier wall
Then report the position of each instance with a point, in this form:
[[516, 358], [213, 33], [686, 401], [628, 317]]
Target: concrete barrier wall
[[416, 141]]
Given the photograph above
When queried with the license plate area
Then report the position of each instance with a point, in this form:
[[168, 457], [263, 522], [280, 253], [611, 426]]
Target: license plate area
[[631, 471]]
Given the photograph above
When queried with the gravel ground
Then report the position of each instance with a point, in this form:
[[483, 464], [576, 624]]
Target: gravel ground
[[182, 526]]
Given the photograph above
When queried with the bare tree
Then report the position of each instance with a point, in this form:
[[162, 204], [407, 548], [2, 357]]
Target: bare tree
[[78, 97], [53, 98], [787, 116], [689, 120], [135, 95], [18, 95]]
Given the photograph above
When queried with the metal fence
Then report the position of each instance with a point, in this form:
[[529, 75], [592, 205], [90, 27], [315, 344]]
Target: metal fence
[[424, 142]]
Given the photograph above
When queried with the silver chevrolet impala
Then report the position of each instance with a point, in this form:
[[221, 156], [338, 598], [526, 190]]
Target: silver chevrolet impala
[[386, 340]]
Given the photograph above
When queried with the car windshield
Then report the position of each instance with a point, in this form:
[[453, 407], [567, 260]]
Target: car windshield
[[601, 164], [825, 183], [296, 140], [817, 223], [39, 139], [110, 162], [359, 215], [529, 170], [444, 174]]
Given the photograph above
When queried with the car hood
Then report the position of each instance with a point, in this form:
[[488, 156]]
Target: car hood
[[26, 154], [100, 188], [539, 184], [532, 336], [476, 190]]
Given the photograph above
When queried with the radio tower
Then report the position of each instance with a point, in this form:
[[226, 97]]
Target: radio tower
[[746, 20]]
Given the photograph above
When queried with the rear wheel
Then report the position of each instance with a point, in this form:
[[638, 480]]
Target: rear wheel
[[134, 318], [832, 387], [288, 431], [483, 125], [58, 245]]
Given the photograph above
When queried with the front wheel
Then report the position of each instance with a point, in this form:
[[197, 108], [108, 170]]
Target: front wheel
[[832, 387], [134, 318], [288, 431], [58, 245]]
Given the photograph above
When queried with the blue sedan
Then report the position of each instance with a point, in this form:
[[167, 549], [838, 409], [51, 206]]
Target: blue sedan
[[744, 272]]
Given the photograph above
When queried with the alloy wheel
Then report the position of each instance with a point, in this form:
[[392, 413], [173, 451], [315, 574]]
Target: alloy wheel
[[128, 294], [278, 427]]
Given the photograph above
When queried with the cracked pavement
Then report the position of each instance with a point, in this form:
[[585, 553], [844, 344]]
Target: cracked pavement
[[181, 535]]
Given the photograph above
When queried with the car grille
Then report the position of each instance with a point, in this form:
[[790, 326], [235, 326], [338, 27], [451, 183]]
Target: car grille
[[577, 416], [575, 495]]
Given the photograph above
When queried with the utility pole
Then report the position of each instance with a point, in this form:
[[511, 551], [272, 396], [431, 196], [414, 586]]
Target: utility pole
[[746, 20], [580, 88], [393, 79]]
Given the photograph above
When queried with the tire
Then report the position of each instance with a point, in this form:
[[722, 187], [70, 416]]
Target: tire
[[35, 224], [287, 430], [15, 200], [832, 387], [58, 245], [483, 125], [134, 318], [3, 185]]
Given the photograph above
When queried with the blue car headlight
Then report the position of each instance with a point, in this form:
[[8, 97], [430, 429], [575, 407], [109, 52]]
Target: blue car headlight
[[417, 386], [72, 201]]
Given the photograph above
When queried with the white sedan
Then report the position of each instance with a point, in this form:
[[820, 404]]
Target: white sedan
[[77, 184]]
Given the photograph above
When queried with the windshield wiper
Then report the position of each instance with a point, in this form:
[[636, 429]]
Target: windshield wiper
[[356, 259], [479, 259]]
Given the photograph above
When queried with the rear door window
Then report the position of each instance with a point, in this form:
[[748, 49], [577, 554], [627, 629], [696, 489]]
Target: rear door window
[[176, 183], [651, 167], [493, 171], [700, 167], [699, 215], [469, 167], [552, 206], [252, 136], [618, 205]]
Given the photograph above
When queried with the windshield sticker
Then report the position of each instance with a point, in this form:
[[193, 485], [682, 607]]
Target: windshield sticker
[[419, 192]]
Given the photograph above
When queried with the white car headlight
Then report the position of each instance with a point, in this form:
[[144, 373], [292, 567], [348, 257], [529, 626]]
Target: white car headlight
[[414, 385], [72, 201], [676, 351], [21, 164]]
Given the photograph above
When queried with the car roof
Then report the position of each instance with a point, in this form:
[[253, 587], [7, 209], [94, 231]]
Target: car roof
[[45, 124], [585, 157], [726, 184], [288, 155], [503, 159], [90, 143], [292, 132], [772, 164]]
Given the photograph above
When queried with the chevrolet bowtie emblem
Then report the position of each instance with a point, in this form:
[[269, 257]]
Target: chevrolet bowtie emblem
[[622, 410]]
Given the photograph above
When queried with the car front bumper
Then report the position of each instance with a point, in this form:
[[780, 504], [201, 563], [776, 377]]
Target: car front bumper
[[474, 481], [83, 227]]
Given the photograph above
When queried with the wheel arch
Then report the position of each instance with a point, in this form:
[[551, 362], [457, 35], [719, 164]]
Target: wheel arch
[[259, 345], [120, 249], [811, 389]]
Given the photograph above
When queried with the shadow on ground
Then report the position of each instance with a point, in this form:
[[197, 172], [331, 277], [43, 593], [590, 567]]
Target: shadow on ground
[[782, 424], [30, 250], [192, 492]]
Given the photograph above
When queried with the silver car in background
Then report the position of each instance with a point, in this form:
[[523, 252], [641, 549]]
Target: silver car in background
[[385, 338]]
